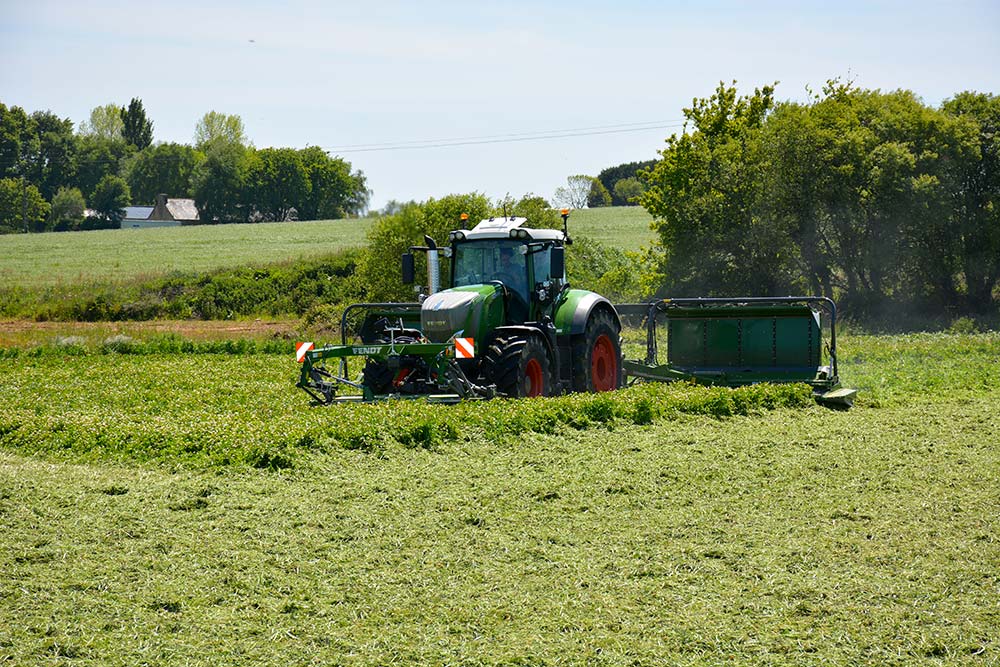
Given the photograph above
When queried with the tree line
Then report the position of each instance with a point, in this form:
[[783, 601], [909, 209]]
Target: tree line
[[871, 197], [52, 171]]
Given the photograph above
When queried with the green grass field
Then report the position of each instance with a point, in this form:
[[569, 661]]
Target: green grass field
[[113, 255], [34, 260], [485, 534]]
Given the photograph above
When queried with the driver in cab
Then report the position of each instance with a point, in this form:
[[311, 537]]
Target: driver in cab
[[512, 270]]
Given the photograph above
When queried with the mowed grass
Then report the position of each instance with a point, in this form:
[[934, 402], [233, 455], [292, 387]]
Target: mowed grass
[[789, 536], [109, 256]]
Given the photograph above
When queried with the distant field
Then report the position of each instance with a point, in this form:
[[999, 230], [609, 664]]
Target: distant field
[[122, 254], [625, 227], [115, 255]]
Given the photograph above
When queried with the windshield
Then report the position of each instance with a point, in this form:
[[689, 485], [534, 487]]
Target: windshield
[[478, 262]]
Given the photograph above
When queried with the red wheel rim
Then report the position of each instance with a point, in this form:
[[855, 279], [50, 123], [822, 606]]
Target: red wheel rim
[[604, 364], [533, 380]]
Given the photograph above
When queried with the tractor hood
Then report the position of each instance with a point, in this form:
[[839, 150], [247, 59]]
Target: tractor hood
[[461, 309]]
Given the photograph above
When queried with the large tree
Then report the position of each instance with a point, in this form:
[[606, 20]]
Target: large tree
[[705, 196], [863, 180], [165, 168], [68, 208], [215, 127], [105, 122], [976, 214], [219, 183], [277, 182], [53, 163], [110, 198], [137, 130], [22, 207], [610, 177], [18, 141], [98, 157], [335, 192]]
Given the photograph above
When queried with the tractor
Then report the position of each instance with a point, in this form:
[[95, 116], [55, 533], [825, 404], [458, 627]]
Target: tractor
[[510, 324]]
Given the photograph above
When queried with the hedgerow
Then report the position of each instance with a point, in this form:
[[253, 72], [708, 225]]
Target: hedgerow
[[289, 288]]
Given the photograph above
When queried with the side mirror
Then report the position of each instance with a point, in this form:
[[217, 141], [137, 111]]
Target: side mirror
[[409, 272], [557, 262]]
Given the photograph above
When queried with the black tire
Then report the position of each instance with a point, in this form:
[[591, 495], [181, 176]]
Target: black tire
[[597, 355], [518, 366], [377, 375]]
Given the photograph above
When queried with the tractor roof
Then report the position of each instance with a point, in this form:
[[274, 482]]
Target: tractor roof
[[500, 228]]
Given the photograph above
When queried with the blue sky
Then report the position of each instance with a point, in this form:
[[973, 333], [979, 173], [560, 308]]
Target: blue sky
[[342, 75]]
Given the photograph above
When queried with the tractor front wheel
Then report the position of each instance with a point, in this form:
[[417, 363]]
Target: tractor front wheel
[[518, 366], [597, 356]]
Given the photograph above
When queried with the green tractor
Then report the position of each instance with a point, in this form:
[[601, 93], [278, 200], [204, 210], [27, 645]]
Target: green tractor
[[509, 325]]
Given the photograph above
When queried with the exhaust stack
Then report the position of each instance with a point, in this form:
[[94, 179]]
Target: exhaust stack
[[433, 267]]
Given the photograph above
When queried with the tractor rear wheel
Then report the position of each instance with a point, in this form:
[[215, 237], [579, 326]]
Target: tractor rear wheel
[[518, 366], [597, 356]]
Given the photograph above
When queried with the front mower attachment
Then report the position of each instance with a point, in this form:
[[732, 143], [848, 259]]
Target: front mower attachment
[[415, 370]]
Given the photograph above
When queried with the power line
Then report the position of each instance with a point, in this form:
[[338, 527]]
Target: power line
[[476, 142], [650, 124], [516, 137]]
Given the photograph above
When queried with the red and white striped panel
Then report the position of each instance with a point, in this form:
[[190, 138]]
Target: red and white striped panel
[[300, 351], [465, 348]]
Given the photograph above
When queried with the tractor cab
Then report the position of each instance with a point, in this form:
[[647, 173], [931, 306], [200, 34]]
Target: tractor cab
[[528, 265]]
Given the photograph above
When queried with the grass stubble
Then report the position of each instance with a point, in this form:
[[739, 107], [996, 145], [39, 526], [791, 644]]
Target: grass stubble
[[785, 536]]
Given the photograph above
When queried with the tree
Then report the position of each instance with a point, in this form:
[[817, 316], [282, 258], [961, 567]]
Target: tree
[[68, 207], [277, 182], [219, 183], [865, 181], [977, 198], [53, 161], [332, 186], [97, 157], [22, 207], [137, 130], [576, 192], [599, 195], [166, 168], [219, 127], [628, 190], [110, 198], [105, 123], [705, 197], [18, 141]]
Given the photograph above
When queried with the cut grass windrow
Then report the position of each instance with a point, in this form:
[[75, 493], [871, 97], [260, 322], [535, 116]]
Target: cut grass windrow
[[212, 410]]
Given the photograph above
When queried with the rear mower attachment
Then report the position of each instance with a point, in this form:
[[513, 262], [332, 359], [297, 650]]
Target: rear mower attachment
[[741, 341]]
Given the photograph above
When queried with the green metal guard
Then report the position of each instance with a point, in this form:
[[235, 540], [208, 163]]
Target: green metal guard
[[740, 341]]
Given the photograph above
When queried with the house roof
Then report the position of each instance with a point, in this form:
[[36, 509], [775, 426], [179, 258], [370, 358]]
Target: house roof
[[182, 209], [137, 212]]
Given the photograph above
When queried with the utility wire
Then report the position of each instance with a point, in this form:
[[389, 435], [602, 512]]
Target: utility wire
[[650, 124], [477, 142], [516, 137]]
